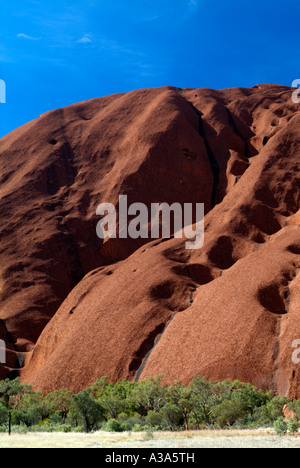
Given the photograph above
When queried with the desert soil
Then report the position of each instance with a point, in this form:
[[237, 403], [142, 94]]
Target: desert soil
[[202, 439]]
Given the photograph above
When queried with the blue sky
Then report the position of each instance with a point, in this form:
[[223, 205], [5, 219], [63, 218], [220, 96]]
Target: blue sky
[[55, 53]]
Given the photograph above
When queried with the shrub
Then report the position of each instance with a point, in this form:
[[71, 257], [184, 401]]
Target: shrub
[[228, 413], [149, 435], [280, 426], [42, 428], [20, 429], [62, 428], [295, 406], [129, 419], [45, 422], [154, 419], [275, 407], [293, 426], [172, 416], [78, 429], [137, 428], [249, 398], [112, 425], [3, 414]]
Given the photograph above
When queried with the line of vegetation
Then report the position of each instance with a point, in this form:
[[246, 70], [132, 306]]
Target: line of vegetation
[[143, 406]]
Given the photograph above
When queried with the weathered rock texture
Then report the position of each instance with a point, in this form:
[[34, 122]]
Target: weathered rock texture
[[74, 308]]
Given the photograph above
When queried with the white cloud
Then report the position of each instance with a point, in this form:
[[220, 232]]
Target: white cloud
[[192, 8], [131, 61], [30, 38], [86, 39], [193, 4]]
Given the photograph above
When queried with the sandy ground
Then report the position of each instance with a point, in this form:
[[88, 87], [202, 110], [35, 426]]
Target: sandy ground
[[202, 439]]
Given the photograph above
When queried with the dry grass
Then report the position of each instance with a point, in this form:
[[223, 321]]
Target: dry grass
[[187, 440]]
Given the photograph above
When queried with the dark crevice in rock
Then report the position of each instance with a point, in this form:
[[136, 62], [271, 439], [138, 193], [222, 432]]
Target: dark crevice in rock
[[138, 363], [249, 152], [77, 272], [270, 298], [61, 172], [221, 254], [215, 197], [141, 358]]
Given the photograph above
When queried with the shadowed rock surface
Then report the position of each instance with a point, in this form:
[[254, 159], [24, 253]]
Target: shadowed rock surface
[[74, 308]]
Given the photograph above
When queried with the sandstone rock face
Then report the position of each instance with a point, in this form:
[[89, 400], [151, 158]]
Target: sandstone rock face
[[288, 414], [74, 308]]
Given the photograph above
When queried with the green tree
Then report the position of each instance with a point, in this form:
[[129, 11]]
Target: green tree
[[172, 416], [11, 392], [115, 398], [149, 395], [36, 406], [205, 394], [249, 396], [59, 401], [181, 396], [275, 407], [97, 387], [3, 413], [228, 412], [86, 411]]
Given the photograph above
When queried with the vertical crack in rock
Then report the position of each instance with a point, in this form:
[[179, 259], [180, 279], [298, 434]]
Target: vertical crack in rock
[[235, 129], [159, 337], [62, 171], [215, 197], [77, 271], [145, 360], [276, 352]]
